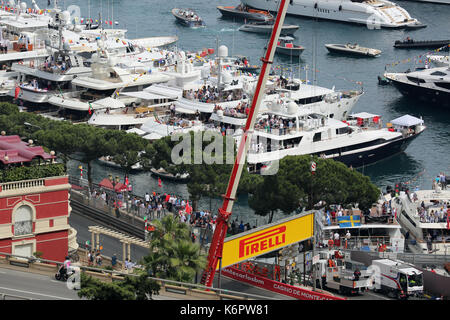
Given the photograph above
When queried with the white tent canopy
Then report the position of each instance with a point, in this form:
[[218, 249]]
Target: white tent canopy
[[364, 115], [407, 121]]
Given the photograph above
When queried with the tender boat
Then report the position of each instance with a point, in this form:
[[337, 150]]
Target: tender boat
[[163, 174], [266, 28], [286, 46], [430, 44], [188, 17], [353, 49], [243, 12]]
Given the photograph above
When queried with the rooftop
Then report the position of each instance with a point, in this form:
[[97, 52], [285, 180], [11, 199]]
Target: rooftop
[[14, 150]]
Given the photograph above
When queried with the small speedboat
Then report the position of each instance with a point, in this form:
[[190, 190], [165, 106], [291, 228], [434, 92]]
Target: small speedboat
[[286, 46], [243, 12], [266, 28], [430, 44], [188, 17], [353, 49], [163, 174], [383, 81]]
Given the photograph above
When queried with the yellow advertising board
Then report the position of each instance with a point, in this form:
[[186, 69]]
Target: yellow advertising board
[[267, 238]]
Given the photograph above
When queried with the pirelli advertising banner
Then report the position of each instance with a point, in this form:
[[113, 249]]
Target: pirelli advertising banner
[[268, 238]]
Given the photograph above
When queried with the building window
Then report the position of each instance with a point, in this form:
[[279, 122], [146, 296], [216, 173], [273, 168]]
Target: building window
[[23, 221]]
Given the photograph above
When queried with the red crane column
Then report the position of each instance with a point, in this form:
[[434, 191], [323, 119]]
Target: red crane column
[[215, 250]]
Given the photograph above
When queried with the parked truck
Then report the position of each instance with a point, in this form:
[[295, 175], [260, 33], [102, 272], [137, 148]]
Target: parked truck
[[396, 278], [335, 272]]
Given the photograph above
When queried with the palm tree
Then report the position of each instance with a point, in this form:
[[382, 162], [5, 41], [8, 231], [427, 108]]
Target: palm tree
[[185, 261], [172, 253]]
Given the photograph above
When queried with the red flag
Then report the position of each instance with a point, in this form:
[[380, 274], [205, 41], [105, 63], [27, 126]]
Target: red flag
[[126, 180], [188, 208], [159, 183], [17, 92]]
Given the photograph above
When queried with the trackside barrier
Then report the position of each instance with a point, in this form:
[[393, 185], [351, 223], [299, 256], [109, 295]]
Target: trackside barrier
[[50, 267], [4, 296], [275, 286]]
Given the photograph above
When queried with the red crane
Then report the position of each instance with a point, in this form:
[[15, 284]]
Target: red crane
[[215, 250]]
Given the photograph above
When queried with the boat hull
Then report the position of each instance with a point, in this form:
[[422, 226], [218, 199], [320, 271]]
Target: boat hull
[[296, 52], [440, 98], [241, 15], [364, 158], [422, 44]]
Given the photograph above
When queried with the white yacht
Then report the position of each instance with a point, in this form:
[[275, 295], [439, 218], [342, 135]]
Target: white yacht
[[357, 142], [423, 213], [105, 81], [430, 85], [373, 13], [40, 79]]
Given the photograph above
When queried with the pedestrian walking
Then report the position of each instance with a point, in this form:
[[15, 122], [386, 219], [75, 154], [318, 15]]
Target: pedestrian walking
[[113, 261]]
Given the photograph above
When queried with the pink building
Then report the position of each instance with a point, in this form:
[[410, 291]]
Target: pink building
[[34, 210]]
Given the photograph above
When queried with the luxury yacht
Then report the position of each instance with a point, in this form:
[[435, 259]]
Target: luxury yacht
[[373, 13], [430, 85], [357, 142]]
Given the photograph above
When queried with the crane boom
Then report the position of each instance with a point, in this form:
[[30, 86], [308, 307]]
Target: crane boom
[[215, 250]]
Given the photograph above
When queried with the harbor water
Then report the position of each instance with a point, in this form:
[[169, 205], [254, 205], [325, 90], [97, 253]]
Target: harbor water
[[423, 159]]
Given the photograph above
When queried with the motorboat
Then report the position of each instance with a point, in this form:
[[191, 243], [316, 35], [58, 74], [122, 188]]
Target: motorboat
[[353, 49], [164, 175], [429, 44], [266, 28], [244, 13], [372, 13], [423, 214], [356, 142], [286, 46], [188, 17], [431, 85]]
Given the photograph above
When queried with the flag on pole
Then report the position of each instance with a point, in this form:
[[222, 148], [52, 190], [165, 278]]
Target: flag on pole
[[90, 111], [159, 183], [126, 180]]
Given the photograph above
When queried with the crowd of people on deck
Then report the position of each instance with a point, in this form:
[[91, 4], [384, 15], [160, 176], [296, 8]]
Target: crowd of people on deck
[[241, 110], [209, 94], [275, 124]]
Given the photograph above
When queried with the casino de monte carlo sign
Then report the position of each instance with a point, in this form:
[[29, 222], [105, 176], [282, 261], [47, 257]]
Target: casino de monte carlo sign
[[267, 238]]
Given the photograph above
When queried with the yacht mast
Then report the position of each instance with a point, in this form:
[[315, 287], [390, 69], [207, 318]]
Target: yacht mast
[[215, 250]]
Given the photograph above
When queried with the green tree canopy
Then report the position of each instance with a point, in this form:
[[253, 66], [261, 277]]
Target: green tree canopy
[[138, 287], [294, 187]]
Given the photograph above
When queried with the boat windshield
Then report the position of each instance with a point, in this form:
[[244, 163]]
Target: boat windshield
[[415, 280]]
